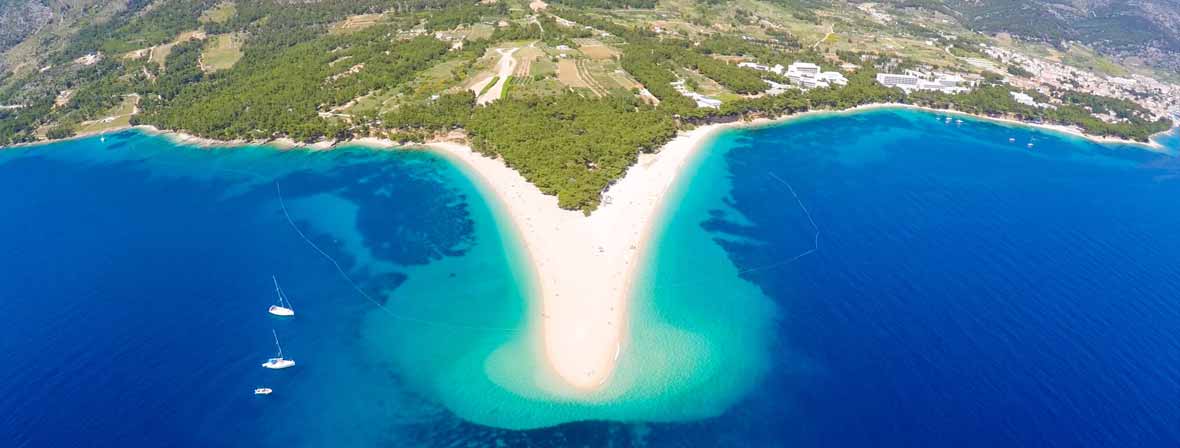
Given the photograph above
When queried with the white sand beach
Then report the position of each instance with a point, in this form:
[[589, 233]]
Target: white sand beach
[[584, 264]]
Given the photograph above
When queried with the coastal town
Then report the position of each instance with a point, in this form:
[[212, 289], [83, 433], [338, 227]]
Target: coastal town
[[1048, 80]]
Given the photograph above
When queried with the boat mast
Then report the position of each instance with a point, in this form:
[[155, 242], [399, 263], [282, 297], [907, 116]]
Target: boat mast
[[283, 300], [272, 331]]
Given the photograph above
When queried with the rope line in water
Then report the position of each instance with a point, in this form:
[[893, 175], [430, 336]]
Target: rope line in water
[[777, 264], [815, 242], [357, 288]]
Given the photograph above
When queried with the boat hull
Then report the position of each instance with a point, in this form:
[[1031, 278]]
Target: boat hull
[[279, 364]]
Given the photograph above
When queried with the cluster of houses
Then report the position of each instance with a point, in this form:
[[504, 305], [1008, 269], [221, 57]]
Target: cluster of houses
[[1045, 76], [806, 75], [803, 74], [918, 80]]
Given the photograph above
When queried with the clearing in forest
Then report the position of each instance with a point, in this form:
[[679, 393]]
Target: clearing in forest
[[219, 13], [222, 52], [356, 23], [599, 51], [159, 53], [117, 117], [477, 31]]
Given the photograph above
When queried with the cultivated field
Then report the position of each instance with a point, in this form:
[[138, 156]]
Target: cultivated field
[[595, 49], [599, 52], [219, 14], [525, 59], [569, 73], [222, 52], [355, 23]]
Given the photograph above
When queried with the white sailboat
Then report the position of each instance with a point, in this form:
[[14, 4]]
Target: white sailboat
[[283, 308], [262, 391], [278, 362]]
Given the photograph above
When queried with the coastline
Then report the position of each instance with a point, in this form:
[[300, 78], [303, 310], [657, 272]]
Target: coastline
[[1151, 144], [180, 137], [584, 266]]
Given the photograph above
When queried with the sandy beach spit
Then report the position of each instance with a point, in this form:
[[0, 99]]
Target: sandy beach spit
[[585, 264]]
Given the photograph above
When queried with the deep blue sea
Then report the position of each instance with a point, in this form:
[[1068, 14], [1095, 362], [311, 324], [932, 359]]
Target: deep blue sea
[[963, 290]]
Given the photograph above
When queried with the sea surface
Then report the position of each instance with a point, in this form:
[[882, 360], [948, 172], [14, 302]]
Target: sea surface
[[883, 278]]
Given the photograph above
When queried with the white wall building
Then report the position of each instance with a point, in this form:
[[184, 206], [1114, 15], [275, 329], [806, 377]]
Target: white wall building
[[919, 80], [1023, 98], [803, 68], [754, 66], [834, 78], [895, 80]]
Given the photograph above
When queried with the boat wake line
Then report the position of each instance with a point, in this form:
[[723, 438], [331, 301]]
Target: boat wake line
[[359, 290]]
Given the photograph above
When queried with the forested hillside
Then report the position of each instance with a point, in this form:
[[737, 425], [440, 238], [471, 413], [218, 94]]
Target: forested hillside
[[1144, 28], [19, 19], [569, 95]]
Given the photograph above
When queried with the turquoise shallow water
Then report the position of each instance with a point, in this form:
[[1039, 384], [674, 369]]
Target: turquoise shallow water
[[962, 290], [136, 277]]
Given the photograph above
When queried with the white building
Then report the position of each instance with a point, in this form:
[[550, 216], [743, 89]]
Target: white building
[[834, 78], [894, 80], [754, 66], [701, 100], [948, 80], [808, 76], [775, 88], [778, 68], [1023, 98], [807, 82], [919, 80], [803, 68]]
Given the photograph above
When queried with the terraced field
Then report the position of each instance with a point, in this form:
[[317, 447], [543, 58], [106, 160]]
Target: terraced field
[[525, 59]]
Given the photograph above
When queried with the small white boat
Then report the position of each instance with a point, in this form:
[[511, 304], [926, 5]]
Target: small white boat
[[262, 391], [278, 362], [1030, 145], [283, 308], [958, 121], [1011, 139]]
